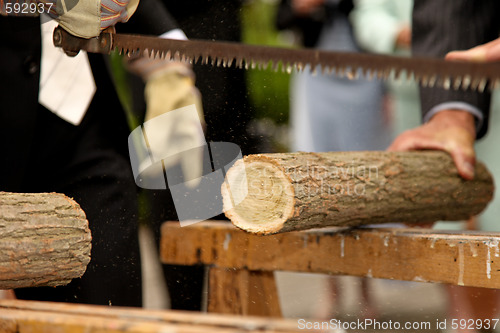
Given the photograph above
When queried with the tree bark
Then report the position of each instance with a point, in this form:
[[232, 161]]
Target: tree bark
[[44, 240], [271, 193]]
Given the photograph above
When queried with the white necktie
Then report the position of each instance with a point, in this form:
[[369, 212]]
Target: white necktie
[[66, 83]]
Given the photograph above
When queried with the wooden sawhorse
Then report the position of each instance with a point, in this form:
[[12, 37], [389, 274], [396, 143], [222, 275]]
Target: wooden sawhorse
[[241, 265]]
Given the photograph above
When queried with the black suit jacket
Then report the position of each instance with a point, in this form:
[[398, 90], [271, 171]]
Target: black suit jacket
[[27, 130], [440, 26]]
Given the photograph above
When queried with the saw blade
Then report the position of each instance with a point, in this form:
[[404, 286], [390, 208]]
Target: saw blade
[[426, 71]]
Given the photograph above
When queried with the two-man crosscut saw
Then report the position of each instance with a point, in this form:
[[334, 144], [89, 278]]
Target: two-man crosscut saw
[[426, 71]]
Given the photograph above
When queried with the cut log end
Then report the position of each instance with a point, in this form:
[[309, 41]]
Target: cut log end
[[258, 196]]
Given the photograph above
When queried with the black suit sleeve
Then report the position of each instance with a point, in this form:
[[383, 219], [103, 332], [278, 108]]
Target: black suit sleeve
[[440, 26]]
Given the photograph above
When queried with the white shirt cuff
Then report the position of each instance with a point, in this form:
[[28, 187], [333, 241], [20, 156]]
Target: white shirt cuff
[[478, 115], [174, 34]]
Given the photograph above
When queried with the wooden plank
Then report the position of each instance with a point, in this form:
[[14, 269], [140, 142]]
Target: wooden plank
[[239, 291], [28, 316], [462, 258]]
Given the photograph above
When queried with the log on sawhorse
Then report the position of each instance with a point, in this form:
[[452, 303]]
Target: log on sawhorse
[[28, 316], [241, 265]]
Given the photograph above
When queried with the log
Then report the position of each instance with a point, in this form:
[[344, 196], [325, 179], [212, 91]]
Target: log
[[272, 193], [44, 240]]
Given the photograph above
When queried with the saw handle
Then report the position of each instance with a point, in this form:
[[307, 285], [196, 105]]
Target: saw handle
[[72, 44]]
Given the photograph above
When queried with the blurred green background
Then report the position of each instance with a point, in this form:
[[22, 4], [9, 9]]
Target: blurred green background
[[268, 89]]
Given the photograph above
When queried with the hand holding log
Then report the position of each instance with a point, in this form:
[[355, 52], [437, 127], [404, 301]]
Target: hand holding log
[[271, 193], [44, 240]]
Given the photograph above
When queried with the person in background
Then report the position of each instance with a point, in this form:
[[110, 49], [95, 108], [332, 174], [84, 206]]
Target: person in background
[[46, 147], [455, 119], [384, 26], [328, 112], [76, 134]]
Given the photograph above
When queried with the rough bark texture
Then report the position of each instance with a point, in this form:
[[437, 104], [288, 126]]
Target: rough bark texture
[[44, 240], [272, 193]]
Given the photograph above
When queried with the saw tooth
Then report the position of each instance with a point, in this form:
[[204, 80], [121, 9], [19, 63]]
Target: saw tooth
[[219, 62], [276, 67], [289, 68], [325, 71], [447, 83], [410, 78], [456, 83], [494, 84], [417, 80], [253, 64], [482, 85], [350, 74], [239, 63], [340, 72], [369, 74], [397, 75], [314, 71], [387, 73], [475, 83], [466, 82], [432, 81]]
